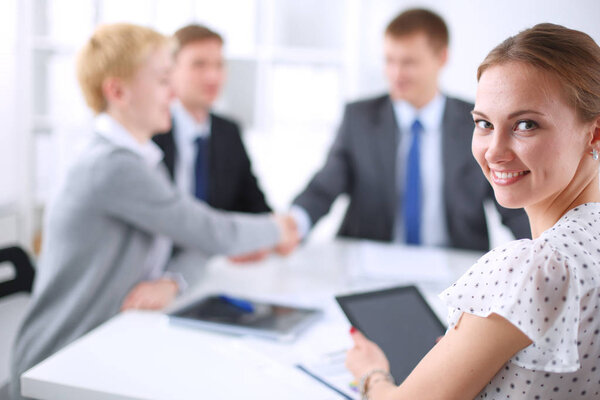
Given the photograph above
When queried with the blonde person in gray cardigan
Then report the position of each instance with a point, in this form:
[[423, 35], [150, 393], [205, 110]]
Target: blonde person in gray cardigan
[[112, 225]]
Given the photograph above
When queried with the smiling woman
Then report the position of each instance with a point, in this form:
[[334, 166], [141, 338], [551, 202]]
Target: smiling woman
[[521, 139], [536, 123], [523, 320]]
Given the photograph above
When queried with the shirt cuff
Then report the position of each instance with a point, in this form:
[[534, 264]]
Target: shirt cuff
[[302, 220], [177, 278]]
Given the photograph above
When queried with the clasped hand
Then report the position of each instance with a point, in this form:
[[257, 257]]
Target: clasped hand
[[151, 295], [289, 240]]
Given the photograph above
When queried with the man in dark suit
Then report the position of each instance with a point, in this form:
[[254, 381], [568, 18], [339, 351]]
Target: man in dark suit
[[404, 158], [204, 152]]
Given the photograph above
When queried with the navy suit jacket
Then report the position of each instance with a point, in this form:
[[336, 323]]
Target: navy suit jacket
[[232, 185]]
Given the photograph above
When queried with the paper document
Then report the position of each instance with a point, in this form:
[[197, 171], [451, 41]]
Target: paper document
[[400, 263], [330, 370]]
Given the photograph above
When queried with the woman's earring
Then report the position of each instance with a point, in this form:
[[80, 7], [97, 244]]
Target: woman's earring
[[595, 154]]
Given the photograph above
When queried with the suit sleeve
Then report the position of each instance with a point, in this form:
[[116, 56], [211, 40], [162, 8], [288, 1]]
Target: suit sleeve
[[332, 179], [251, 197], [128, 189]]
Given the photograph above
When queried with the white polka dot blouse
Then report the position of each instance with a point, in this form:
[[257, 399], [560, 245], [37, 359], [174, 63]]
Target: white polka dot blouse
[[549, 288]]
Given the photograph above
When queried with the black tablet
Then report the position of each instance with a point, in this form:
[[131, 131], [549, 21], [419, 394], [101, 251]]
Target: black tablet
[[227, 314], [399, 320]]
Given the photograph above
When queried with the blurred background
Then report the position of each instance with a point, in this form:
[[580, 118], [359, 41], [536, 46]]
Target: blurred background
[[292, 65]]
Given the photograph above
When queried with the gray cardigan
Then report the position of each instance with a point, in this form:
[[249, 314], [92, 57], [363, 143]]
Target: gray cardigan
[[98, 232]]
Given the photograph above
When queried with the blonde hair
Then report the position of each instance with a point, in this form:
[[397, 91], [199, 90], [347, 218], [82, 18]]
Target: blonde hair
[[114, 50]]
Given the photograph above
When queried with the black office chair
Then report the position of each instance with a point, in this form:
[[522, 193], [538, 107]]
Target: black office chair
[[24, 272], [23, 282]]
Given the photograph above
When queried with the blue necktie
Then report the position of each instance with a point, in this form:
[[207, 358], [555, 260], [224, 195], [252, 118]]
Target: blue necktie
[[412, 190], [201, 168]]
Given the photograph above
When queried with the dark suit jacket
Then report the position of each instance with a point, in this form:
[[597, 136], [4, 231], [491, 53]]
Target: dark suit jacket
[[232, 186], [362, 163]]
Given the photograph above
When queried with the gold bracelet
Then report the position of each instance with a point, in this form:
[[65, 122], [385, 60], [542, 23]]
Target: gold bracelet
[[364, 381]]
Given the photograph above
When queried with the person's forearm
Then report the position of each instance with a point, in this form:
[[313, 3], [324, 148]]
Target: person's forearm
[[382, 390]]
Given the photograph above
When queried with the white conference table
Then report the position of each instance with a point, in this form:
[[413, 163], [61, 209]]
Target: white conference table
[[139, 355]]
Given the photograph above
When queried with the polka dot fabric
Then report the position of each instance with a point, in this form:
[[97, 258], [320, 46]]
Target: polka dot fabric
[[549, 288]]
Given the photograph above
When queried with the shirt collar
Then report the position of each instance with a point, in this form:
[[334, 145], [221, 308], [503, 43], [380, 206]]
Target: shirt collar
[[186, 126], [430, 116], [110, 129]]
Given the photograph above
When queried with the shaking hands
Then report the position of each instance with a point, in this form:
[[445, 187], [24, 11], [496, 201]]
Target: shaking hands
[[290, 237], [289, 240]]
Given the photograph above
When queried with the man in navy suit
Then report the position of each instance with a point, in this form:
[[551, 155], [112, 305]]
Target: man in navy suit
[[203, 151]]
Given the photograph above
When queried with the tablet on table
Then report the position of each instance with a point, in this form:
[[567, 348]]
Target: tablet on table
[[233, 315]]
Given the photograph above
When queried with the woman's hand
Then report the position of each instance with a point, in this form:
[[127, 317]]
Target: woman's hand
[[250, 257], [151, 295], [365, 356]]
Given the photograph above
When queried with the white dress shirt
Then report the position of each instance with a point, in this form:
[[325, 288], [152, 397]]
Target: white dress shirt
[[186, 130], [433, 218], [160, 252]]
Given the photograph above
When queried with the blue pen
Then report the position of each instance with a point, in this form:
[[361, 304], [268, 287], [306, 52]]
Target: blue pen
[[243, 305]]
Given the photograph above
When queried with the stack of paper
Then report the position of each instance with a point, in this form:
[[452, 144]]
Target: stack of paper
[[403, 264]]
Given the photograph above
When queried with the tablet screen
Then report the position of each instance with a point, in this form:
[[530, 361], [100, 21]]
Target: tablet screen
[[244, 316], [399, 320]]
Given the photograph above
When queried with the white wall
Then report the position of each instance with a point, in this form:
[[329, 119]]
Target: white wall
[[475, 28], [11, 223], [8, 137]]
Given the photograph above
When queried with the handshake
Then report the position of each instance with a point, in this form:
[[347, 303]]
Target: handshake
[[288, 241]]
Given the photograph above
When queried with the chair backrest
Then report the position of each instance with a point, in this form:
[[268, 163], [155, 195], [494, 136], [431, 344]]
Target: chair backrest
[[24, 272]]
